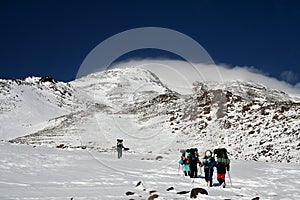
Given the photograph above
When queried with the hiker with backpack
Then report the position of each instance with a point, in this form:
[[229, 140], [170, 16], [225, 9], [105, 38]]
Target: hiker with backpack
[[185, 162], [193, 159], [222, 165], [120, 147], [208, 162]]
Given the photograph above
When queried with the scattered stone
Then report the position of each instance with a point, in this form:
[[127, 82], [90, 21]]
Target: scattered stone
[[170, 188], [154, 196], [129, 193], [159, 158], [138, 184], [206, 110], [255, 198], [183, 192], [152, 191], [196, 191], [251, 132], [61, 146]]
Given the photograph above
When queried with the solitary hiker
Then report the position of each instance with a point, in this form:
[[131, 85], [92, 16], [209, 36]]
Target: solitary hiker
[[120, 147]]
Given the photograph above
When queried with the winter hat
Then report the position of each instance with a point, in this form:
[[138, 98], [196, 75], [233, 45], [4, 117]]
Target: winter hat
[[208, 153]]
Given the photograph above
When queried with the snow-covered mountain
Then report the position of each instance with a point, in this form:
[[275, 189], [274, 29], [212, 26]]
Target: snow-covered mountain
[[252, 121], [26, 105], [83, 119]]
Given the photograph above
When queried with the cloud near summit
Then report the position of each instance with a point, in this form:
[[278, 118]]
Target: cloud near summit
[[290, 76], [182, 74]]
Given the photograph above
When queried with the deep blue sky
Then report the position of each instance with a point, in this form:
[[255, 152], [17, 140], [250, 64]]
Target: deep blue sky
[[53, 37]]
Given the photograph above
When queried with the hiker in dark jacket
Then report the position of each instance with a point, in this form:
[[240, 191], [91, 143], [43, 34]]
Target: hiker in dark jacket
[[222, 164], [193, 161], [208, 162], [120, 147]]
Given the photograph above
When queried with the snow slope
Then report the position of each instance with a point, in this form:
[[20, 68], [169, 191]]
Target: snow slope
[[26, 105], [47, 173]]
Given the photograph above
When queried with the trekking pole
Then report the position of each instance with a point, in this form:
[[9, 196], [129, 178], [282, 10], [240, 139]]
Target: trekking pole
[[194, 177], [200, 171], [208, 182], [229, 178], [182, 169]]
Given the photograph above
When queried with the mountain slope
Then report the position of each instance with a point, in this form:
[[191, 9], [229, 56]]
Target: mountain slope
[[252, 121], [25, 105]]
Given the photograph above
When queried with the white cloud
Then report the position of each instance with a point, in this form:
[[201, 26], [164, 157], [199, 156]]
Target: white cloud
[[289, 76], [180, 75]]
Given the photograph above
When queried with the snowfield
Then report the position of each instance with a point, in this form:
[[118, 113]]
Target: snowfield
[[47, 173]]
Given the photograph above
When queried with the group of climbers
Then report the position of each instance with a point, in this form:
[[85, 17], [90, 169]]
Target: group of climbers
[[189, 160], [217, 158]]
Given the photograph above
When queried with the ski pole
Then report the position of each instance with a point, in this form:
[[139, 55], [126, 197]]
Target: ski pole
[[229, 178], [178, 169]]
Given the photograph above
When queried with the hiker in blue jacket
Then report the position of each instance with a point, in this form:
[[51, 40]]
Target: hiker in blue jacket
[[184, 162], [209, 163]]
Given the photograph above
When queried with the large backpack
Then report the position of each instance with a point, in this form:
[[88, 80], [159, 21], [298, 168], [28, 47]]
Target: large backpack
[[193, 157], [222, 157], [184, 156], [119, 143]]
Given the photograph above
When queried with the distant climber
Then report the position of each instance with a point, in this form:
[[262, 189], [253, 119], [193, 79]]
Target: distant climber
[[185, 162], [208, 162], [120, 147], [222, 164]]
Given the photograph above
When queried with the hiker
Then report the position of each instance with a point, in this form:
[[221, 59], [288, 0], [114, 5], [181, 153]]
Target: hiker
[[193, 161], [222, 164], [185, 162], [120, 147], [208, 162]]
